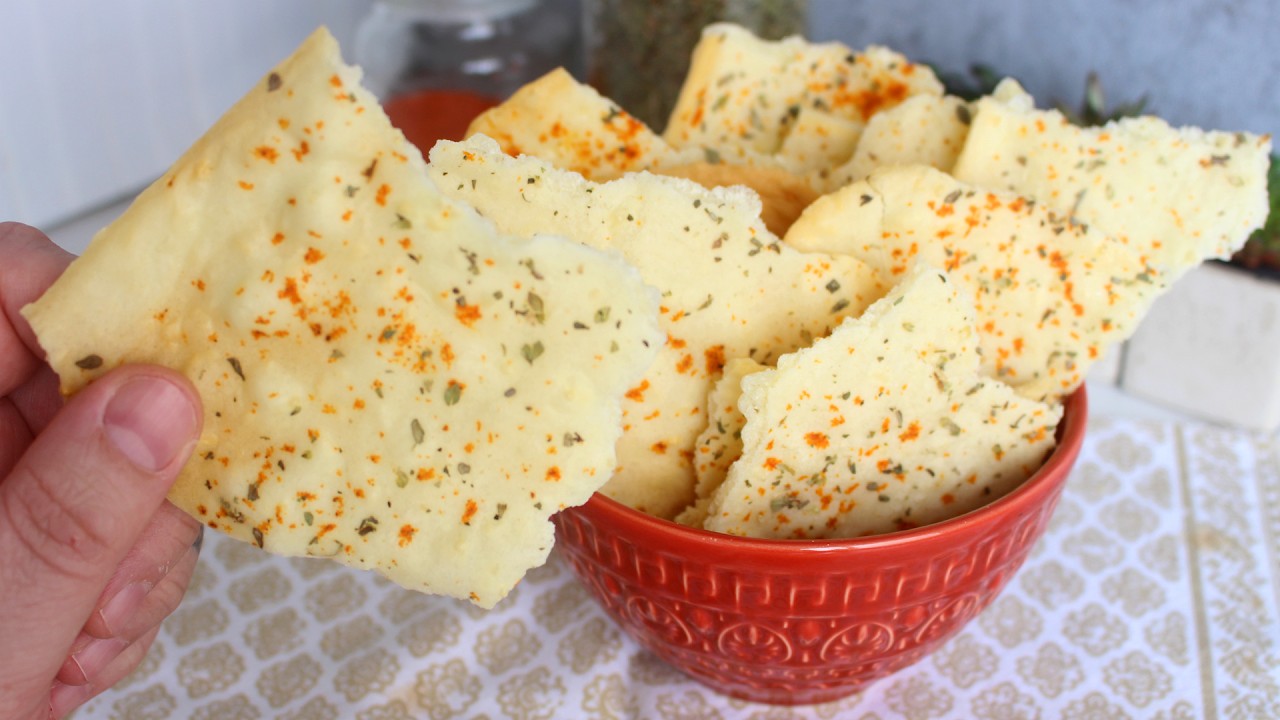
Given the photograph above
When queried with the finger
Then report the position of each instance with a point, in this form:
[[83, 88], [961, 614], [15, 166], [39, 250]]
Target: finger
[[15, 436], [74, 503], [31, 263], [90, 655], [65, 698], [38, 399], [166, 542]]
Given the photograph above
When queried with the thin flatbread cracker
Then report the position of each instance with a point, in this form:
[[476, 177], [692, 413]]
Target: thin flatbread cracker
[[574, 127], [745, 95], [720, 444], [729, 289], [783, 194], [923, 130], [387, 380], [1177, 196], [1051, 296], [884, 425]]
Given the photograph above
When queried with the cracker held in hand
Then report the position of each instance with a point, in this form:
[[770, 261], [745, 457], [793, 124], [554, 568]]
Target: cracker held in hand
[[884, 425], [1050, 296], [729, 289], [1177, 196], [387, 380]]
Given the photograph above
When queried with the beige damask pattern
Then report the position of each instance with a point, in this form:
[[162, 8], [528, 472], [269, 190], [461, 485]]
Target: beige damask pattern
[[1153, 595]]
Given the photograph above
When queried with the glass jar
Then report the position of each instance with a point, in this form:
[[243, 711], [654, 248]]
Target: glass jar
[[639, 50], [436, 64]]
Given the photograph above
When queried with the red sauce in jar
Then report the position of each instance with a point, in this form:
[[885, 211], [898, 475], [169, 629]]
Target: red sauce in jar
[[426, 116]]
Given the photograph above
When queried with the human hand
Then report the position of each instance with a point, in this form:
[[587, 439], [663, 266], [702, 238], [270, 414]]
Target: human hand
[[92, 556]]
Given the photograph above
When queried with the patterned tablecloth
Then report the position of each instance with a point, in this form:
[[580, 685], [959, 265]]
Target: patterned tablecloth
[[1154, 594]]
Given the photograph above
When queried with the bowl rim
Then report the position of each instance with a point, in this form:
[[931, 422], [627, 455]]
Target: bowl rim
[[1050, 477]]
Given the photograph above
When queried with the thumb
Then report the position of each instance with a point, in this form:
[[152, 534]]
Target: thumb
[[75, 504]]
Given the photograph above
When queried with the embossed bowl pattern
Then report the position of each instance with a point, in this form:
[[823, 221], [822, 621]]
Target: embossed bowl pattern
[[798, 621]]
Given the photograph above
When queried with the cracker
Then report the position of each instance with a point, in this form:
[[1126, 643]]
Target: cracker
[[746, 95], [1177, 196], [1051, 296], [783, 194], [729, 289], [571, 125], [720, 444], [884, 425], [922, 130], [387, 380]]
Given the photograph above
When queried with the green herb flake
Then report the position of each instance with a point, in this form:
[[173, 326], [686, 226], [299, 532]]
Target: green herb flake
[[537, 307], [415, 428], [951, 426], [89, 362], [235, 365], [531, 352], [453, 393]]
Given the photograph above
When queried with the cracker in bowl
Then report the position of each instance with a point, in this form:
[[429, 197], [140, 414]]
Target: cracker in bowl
[[884, 425]]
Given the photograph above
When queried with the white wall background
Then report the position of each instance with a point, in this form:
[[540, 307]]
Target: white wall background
[[1212, 63], [98, 97]]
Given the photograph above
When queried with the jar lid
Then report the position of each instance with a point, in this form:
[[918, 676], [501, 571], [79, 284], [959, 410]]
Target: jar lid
[[460, 11]]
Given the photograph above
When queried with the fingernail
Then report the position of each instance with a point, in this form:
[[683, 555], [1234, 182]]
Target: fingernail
[[116, 612], [65, 698], [150, 421], [95, 656]]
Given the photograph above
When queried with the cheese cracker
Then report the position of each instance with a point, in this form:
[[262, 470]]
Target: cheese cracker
[[1051, 296], [729, 288], [387, 380], [884, 425], [1176, 196], [806, 103]]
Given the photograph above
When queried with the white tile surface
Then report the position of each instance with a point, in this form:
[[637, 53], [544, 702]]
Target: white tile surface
[[1211, 347]]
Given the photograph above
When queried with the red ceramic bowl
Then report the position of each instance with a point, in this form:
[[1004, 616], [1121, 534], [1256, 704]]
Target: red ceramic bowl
[[808, 621]]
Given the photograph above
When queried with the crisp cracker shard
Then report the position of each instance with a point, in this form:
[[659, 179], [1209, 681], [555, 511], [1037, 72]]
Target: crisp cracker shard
[[387, 380], [884, 425], [729, 289], [1051, 296], [922, 130], [720, 444], [567, 122], [570, 125], [804, 103], [1177, 196]]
